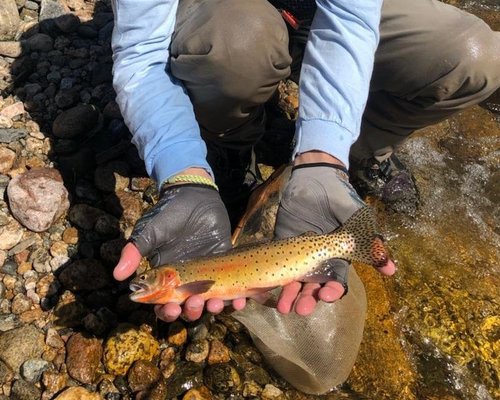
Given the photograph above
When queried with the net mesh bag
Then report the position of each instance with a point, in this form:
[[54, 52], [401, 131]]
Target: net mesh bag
[[313, 353]]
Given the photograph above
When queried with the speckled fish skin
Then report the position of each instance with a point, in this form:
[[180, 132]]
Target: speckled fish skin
[[248, 271]]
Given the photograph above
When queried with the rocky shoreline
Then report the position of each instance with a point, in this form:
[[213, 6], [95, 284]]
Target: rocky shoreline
[[72, 186]]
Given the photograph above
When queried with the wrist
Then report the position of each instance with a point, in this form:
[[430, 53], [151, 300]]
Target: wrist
[[316, 156], [193, 175]]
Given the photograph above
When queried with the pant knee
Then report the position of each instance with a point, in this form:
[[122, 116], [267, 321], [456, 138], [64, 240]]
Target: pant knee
[[238, 47]]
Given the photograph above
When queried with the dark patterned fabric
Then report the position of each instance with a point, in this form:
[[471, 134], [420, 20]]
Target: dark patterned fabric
[[303, 10]]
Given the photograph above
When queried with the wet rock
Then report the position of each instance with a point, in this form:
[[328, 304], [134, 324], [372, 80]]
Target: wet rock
[[85, 216], [187, 376], [251, 389], [9, 19], [85, 274], [177, 334], [271, 392], [219, 353], [9, 267], [54, 381], [67, 23], [10, 235], [32, 370], [77, 165], [158, 392], [76, 122], [78, 393], [83, 357], [112, 177], [108, 390], [142, 375], [200, 393], [38, 198], [197, 351], [7, 158], [126, 345], [222, 378], [22, 390], [20, 344], [9, 135]]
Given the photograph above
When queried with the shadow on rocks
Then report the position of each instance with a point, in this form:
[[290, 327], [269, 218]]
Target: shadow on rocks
[[60, 80]]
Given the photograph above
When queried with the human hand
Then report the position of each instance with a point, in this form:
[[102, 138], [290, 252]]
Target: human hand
[[188, 221], [317, 198]]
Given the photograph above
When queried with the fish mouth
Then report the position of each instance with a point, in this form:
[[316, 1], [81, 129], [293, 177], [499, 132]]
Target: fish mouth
[[137, 288]]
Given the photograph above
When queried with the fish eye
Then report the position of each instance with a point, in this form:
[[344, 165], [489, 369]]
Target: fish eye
[[142, 277]]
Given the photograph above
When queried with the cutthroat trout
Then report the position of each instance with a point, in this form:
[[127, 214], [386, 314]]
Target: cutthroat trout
[[254, 269]]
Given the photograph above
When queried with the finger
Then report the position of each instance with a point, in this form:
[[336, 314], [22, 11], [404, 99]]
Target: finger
[[215, 306], [129, 262], [287, 297], [307, 299], [193, 308], [239, 304], [168, 312], [331, 291], [388, 269]]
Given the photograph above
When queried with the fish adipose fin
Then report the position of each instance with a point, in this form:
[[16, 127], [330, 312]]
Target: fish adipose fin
[[369, 244], [196, 287]]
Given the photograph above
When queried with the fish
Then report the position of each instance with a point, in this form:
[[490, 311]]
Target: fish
[[251, 270]]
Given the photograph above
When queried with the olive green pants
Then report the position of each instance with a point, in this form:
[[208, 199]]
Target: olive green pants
[[433, 60]]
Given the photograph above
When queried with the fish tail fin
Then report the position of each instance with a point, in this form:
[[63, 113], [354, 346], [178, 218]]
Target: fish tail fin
[[369, 245]]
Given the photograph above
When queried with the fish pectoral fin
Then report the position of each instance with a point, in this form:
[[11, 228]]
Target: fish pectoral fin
[[196, 287], [334, 269]]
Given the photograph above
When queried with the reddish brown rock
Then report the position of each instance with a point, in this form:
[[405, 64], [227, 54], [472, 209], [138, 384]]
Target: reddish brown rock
[[83, 357], [7, 158], [37, 198], [219, 353], [142, 375]]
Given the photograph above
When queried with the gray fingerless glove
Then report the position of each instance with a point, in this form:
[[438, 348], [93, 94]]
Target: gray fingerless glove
[[317, 198], [188, 221]]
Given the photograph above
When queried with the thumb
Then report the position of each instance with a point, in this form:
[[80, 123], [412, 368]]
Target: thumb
[[128, 263]]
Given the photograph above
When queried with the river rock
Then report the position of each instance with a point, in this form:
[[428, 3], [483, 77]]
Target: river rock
[[75, 122], [78, 393], [126, 345], [51, 9], [127, 205], [222, 378], [22, 390], [6, 374], [9, 19], [13, 110], [32, 370], [9, 135], [199, 393], [37, 198], [85, 216], [21, 344], [7, 158], [10, 235], [219, 353], [83, 357], [54, 381], [177, 333], [197, 351], [85, 274], [142, 375]]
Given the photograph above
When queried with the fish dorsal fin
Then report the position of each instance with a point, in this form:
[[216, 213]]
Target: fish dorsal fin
[[196, 287], [369, 245]]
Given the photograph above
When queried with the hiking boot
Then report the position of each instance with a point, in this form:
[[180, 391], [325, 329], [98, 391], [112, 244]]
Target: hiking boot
[[389, 180]]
